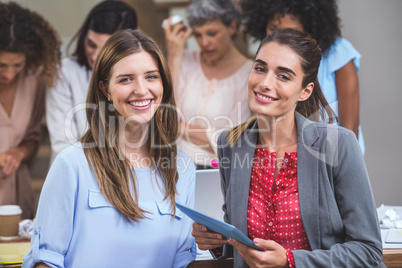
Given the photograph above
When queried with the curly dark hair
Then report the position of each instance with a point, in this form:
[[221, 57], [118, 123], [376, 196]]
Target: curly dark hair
[[24, 31], [318, 17]]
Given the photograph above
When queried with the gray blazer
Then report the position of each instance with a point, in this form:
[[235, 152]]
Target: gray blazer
[[336, 201]]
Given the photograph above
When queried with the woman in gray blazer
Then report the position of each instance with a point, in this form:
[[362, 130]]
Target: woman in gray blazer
[[299, 188]]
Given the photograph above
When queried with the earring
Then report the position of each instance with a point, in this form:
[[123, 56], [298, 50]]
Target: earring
[[108, 99]]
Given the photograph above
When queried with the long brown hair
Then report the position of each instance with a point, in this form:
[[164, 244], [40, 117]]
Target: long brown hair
[[101, 143], [316, 107]]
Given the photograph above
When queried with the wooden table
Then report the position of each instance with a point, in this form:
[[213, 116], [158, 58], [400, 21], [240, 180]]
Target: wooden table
[[228, 263], [392, 259]]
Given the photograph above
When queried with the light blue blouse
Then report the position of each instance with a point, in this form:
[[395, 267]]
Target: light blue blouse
[[76, 227], [340, 53]]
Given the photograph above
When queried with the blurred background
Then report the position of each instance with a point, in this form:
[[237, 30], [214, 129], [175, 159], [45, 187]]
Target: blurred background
[[372, 26]]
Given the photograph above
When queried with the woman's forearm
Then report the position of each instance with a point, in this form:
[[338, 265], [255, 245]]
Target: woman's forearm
[[347, 87], [196, 135], [27, 149]]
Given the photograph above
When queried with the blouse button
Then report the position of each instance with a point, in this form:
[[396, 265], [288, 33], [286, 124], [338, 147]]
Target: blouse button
[[286, 160], [270, 223], [277, 183]]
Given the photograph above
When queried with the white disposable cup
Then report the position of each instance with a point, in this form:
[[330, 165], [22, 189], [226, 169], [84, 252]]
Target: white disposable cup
[[10, 216], [175, 19]]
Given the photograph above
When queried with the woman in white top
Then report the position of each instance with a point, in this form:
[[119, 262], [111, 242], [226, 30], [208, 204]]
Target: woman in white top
[[65, 103], [210, 82]]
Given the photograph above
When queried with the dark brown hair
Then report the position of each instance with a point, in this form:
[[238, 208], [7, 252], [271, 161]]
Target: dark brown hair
[[101, 143], [106, 17], [316, 107], [319, 18], [24, 31]]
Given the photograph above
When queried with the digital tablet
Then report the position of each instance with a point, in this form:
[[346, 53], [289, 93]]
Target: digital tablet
[[208, 196], [223, 228]]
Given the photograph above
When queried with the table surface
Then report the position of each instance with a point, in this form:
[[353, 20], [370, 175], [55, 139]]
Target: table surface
[[392, 259]]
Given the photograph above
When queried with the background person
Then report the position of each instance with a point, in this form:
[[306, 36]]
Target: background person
[[65, 102], [108, 201], [210, 82], [340, 63], [298, 188], [29, 60]]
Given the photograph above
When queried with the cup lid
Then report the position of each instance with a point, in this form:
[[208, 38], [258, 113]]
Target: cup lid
[[10, 210]]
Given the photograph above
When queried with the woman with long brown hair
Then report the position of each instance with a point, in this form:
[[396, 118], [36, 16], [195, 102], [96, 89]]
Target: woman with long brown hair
[[108, 201], [297, 186], [340, 62]]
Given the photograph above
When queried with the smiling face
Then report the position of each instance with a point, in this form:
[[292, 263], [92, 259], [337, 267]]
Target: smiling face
[[136, 87], [275, 82], [214, 38], [280, 21], [92, 44], [11, 64]]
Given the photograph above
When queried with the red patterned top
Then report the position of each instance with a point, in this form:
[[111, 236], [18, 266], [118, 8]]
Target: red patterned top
[[273, 205]]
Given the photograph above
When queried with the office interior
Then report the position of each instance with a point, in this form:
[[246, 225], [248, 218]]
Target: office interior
[[372, 26]]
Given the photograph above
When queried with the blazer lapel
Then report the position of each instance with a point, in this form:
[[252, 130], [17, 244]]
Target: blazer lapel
[[308, 157], [241, 165]]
